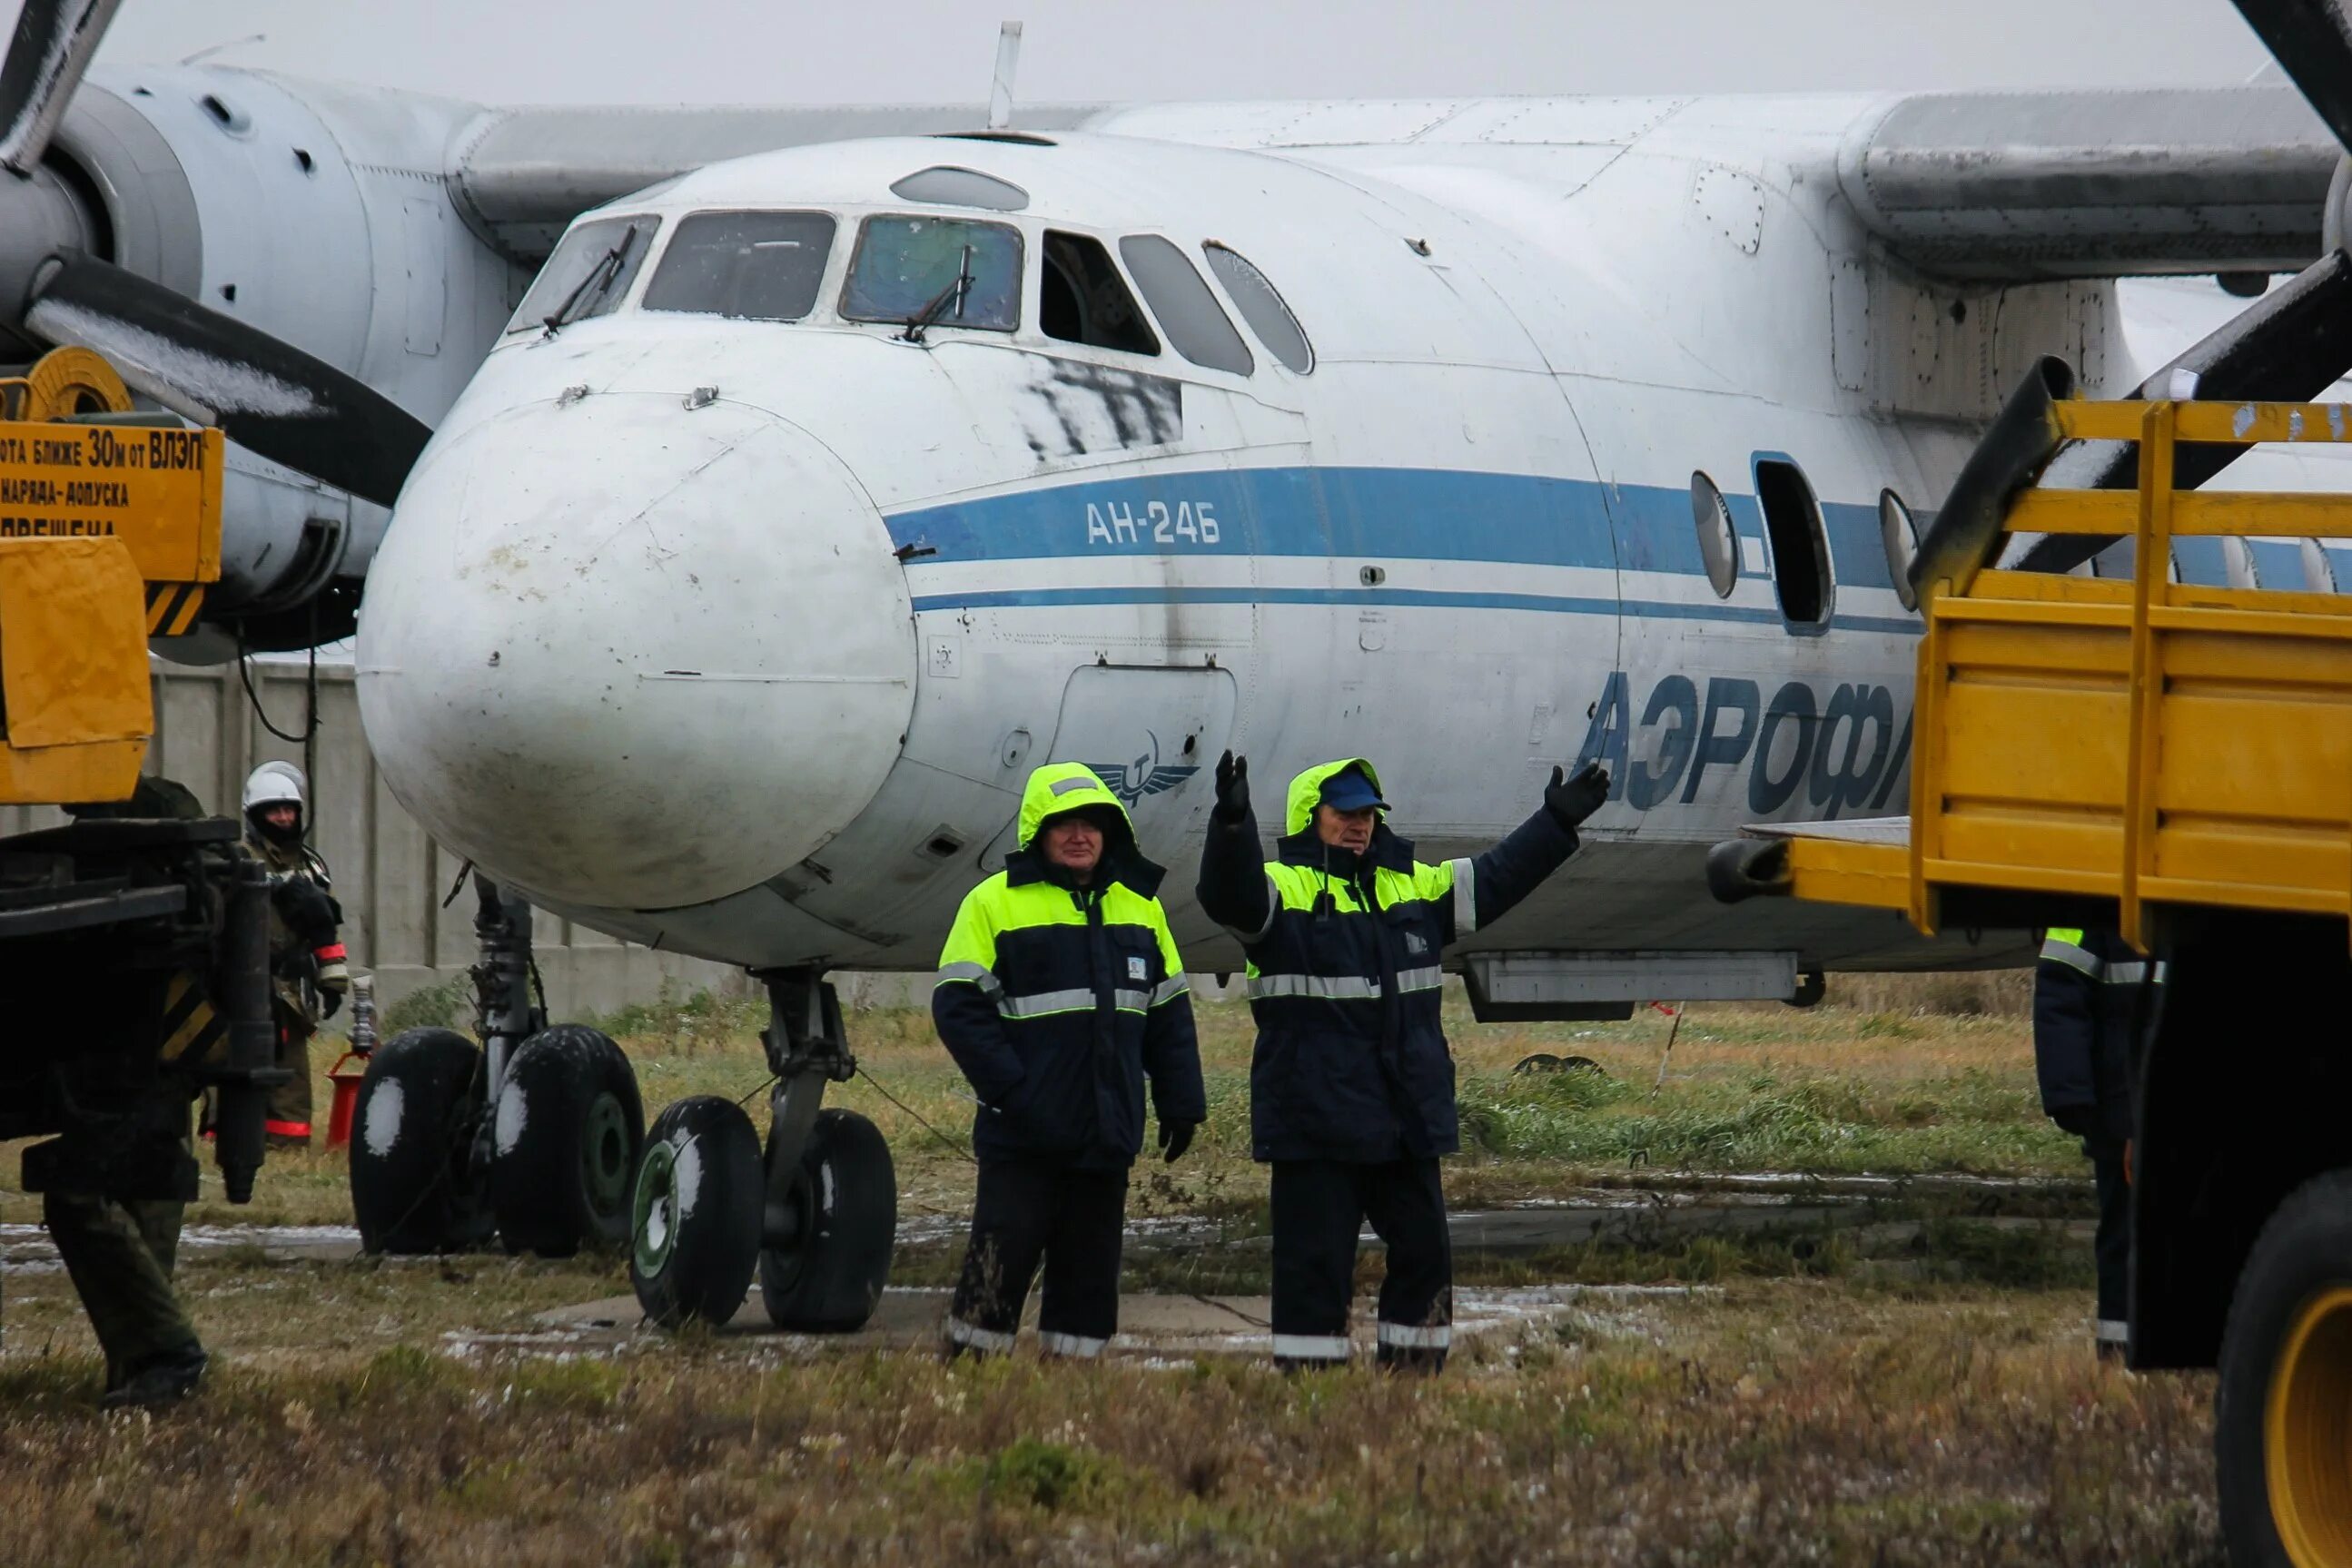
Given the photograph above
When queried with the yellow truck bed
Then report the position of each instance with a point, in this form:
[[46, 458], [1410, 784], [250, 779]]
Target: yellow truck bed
[[2148, 742]]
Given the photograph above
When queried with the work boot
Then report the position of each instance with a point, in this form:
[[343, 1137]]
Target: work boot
[[165, 1378]]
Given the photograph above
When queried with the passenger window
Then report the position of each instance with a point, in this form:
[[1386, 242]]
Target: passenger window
[[588, 275], [1082, 299], [941, 272], [1187, 312], [1800, 546], [763, 267], [1261, 306]]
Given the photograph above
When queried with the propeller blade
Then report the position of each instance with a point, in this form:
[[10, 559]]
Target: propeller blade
[[2288, 347], [54, 43], [266, 394], [2312, 42]]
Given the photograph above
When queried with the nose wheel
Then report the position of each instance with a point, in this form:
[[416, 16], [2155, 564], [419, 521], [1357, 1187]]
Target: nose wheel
[[816, 1218], [534, 1136]]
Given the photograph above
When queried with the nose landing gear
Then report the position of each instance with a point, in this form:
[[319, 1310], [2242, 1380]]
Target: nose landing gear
[[536, 1132], [827, 1198]]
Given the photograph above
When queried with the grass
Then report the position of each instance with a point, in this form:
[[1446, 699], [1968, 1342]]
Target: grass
[[1783, 1419], [1913, 1386]]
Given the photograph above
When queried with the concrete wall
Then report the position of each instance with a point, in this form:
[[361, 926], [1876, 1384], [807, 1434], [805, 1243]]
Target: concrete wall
[[389, 874]]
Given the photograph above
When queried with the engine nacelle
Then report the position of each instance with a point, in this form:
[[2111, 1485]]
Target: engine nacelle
[[317, 215]]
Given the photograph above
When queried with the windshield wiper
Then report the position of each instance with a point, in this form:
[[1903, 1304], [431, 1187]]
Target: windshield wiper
[[600, 277], [953, 294]]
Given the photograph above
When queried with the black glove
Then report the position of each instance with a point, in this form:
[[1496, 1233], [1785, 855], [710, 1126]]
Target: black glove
[[1571, 800], [1177, 1136], [331, 1001], [1233, 788], [309, 911], [2081, 1121]]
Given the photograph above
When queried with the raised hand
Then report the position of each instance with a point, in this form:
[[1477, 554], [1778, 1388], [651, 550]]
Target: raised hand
[[1571, 800], [1232, 787]]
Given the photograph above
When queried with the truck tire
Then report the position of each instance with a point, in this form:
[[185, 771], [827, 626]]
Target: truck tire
[[2283, 1419], [566, 1136], [696, 1232], [847, 1201], [412, 1136]]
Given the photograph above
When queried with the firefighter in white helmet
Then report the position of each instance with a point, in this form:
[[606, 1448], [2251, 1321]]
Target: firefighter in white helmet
[[309, 976]]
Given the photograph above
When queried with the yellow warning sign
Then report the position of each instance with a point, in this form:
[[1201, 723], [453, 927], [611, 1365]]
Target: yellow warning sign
[[157, 489]]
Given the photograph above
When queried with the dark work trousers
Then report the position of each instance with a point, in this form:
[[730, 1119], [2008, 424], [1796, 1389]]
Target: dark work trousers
[[1069, 1216], [118, 1253], [1318, 1206], [2113, 1246]]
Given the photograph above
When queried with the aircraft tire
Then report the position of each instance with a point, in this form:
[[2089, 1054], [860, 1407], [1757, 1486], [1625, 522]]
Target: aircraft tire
[[695, 1238], [847, 1196], [2283, 1419], [412, 1136], [566, 1133]]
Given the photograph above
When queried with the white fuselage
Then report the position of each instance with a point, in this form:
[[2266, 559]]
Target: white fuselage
[[756, 671]]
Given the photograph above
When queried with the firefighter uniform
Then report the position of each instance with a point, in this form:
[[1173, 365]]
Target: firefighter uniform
[[307, 960], [2092, 998], [1058, 998], [1351, 1081]]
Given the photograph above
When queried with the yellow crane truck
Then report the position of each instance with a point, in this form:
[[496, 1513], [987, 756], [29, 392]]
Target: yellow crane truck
[[133, 938], [2173, 762]]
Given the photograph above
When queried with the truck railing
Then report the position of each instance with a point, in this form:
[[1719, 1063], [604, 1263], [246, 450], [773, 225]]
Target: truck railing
[[2096, 749]]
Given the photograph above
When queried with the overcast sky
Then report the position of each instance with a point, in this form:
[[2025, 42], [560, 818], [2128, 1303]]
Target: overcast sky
[[777, 51]]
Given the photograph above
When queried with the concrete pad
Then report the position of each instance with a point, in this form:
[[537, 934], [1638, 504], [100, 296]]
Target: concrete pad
[[1151, 1326]]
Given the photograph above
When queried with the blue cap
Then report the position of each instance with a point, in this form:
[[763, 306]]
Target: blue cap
[[1349, 790]]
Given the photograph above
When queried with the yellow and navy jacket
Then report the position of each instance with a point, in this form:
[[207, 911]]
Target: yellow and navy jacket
[[2094, 997], [1345, 979], [1058, 1001]]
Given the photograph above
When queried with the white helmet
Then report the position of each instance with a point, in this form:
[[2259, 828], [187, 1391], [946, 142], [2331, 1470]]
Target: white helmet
[[272, 783]]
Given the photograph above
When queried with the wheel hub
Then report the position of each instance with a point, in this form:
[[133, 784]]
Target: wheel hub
[[604, 1155], [655, 1224], [2307, 1433]]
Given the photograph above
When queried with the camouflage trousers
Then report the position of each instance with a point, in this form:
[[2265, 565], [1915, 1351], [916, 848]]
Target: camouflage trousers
[[120, 1252]]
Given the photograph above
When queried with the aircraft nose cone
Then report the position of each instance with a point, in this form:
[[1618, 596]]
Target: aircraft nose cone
[[630, 655]]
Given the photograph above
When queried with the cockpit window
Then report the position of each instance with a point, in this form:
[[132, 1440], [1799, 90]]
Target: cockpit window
[[946, 185], [935, 272], [1187, 312], [764, 266], [589, 274], [1261, 306], [1083, 300]]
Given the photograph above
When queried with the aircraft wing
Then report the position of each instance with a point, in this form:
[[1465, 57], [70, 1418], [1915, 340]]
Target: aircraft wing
[[1990, 186]]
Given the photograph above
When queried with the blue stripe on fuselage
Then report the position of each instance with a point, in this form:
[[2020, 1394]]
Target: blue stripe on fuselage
[[1391, 514], [1394, 514]]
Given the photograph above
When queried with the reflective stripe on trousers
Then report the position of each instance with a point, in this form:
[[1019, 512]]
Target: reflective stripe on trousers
[[961, 1332], [1406, 1336], [1310, 1347], [1072, 1345]]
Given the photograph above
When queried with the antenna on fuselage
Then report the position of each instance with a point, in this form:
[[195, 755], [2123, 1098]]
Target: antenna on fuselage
[[1008, 60]]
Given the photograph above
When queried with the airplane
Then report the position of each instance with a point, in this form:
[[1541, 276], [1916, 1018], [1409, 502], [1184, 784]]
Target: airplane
[[770, 490]]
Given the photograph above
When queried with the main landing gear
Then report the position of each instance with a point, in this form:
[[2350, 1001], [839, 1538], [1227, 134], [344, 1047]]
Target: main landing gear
[[533, 1135], [815, 1215]]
